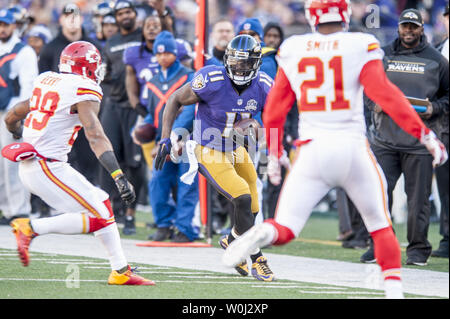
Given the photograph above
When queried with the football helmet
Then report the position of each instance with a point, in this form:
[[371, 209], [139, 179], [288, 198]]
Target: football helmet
[[82, 58], [325, 11], [242, 59]]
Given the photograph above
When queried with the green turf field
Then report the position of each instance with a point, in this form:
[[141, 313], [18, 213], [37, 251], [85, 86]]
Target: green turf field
[[68, 277], [318, 240], [57, 276]]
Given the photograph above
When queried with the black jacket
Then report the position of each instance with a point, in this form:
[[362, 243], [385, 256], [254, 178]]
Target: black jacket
[[49, 57], [115, 67], [421, 72]]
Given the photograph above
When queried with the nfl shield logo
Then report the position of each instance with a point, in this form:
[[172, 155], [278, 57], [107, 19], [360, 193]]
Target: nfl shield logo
[[161, 48], [247, 26]]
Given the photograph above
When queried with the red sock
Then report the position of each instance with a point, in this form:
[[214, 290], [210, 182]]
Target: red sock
[[283, 233], [99, 223], [387, 253]]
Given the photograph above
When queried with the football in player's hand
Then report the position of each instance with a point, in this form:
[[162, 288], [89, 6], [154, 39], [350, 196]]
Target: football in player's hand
[[248, 126], [145, 133]]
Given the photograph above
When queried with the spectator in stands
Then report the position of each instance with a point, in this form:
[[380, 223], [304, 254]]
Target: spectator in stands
[[118, 117], [420, 71], [99, 12], [37, 37], [17, 73], [221, 35], [254, 28], [171, 76], [273, 35], [442, 173], [165, 13]]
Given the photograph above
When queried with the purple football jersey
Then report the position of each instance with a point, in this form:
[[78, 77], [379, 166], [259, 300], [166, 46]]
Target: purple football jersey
[[221, 105], [144, 64]]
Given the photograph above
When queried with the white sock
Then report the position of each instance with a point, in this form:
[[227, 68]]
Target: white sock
[[61, 224], [110, 238], [393, 289]]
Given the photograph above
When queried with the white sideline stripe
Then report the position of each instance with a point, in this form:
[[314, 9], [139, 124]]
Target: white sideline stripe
[[342, 293], [139, 267], [422, 282], [297, 286]]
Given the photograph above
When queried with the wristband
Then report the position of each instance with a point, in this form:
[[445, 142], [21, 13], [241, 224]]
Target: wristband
[[116, 173]]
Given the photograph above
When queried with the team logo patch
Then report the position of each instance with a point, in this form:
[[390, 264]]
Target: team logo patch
[[239, 102], [247, 26], [161, 48], [198, 82], [251, 105], [411, 15]]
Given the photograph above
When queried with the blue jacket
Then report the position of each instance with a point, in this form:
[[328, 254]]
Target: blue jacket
[[160, 88]]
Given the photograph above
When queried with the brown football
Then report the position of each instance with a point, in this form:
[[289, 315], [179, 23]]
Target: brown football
[[242, 127], [145, 133]]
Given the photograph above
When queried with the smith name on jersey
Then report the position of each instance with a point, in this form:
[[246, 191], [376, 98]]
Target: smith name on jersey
[[221, 105], [323, 71], [51, 127]]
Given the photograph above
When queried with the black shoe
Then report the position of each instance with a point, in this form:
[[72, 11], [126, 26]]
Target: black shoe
[[162, 233], [416, 261], [181, 238], [129, 227], [442, 251], [368, 257], [355, 244], [7, 221]]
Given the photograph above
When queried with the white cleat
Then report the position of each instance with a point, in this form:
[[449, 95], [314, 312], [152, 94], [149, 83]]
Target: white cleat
[[258, 236]]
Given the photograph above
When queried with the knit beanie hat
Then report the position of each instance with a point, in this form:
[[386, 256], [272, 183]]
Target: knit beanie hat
[[165, 42]]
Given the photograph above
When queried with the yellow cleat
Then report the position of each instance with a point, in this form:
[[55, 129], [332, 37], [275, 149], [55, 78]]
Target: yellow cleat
[[24, 234], [242, 268], [261, 271], [128, 278]]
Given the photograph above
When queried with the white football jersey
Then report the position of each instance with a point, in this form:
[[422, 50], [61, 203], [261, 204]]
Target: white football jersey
[[323, 71], [50, 126]]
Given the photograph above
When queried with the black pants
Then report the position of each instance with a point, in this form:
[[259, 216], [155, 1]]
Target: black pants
[[442, 179], [83, 159], [418, 173], [117, 123], [350, 218], [273, 193]]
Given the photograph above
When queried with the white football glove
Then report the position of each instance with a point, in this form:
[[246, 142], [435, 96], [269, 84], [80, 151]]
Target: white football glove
[[274, 167], [435, 147]]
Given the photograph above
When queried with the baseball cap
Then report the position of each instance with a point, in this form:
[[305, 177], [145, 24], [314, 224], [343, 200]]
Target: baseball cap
[[411, 16], [40, 31], [6, 16], [70, 8], [109, 19], [252, 24], [122, 4]]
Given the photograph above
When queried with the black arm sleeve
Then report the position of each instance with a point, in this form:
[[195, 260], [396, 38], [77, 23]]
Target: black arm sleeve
[[109, 161]]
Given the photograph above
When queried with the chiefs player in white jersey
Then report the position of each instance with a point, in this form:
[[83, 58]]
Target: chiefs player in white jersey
[[61, 104], [326, 72]]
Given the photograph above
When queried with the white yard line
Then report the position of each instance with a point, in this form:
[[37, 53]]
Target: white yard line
[[302, 269]]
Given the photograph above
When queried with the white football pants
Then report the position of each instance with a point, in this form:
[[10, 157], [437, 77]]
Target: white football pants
[[327, 162], [63, 188]]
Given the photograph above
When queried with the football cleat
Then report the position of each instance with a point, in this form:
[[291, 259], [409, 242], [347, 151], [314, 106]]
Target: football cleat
[[241, 268], [261, 271], [24, 234], [256, 237], [128, 278]]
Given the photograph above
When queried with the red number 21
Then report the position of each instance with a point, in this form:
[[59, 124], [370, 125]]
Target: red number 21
[[335, 64]]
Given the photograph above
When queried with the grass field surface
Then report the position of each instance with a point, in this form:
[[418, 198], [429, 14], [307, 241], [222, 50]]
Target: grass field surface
[[56, 276]]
